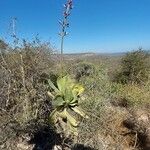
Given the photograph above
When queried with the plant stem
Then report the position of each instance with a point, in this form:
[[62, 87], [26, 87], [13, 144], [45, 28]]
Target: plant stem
[[61, 54], [64, 24]]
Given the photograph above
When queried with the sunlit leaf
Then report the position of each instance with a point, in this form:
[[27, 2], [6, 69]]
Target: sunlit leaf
[[79, 111], [72, 129], [71, 119], [66, 98], [53, 116], [52, 86], [58, 101], [50, 95], [78, 89]]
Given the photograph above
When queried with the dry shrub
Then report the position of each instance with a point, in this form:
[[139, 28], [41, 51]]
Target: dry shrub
[[138, 123], [83, 69], [135, 68], [133, 95], [23, 91], [104, 129]]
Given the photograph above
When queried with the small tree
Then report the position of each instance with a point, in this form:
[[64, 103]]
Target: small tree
[[135, 67]]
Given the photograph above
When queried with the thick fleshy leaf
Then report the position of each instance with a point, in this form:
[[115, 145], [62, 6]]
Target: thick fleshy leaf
[[61, 83], [79, 111], [50, 95], [65, 83], [52, 86], [73, 105], [71, 119], [58, 101], [74, 102], [53, 116], [62, 114], [72, 129], [68, 95]]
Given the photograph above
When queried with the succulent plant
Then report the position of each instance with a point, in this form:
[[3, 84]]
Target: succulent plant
[[66, 98]]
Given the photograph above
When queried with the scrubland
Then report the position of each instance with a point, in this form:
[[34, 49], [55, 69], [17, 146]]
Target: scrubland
[[116, 99]]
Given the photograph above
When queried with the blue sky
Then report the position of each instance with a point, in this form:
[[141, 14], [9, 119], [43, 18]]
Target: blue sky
[[95, 25]]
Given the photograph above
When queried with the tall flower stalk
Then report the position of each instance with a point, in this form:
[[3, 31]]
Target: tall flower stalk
[[67, 93], [64, 25]]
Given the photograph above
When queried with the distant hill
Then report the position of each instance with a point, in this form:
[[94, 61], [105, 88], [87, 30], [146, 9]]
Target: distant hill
[[100, 54], [148, 51], [72, 56], [93, 54], [112, 54]]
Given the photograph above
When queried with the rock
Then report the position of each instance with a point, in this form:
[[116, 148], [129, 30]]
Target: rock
[[24, 146], [142, 116], [22, 143]]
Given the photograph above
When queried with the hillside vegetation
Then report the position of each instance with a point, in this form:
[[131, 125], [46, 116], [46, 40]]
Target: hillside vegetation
[[116, 99]]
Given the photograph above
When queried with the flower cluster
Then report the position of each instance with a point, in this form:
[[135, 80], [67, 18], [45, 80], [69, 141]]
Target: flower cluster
[[67, 9]]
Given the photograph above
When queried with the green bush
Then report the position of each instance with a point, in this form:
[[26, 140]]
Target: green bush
[[83, 69], [134, 68], [131, 95]]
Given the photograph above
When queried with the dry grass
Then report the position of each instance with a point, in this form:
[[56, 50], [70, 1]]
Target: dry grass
[[25, 107], [23, 92]]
